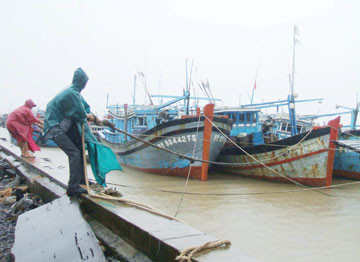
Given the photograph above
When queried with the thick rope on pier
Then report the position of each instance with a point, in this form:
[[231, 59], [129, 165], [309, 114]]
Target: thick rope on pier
[[187, 254], [115, 196]]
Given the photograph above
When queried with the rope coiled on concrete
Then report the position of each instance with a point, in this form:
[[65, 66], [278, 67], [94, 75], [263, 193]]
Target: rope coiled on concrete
[[188, 253]]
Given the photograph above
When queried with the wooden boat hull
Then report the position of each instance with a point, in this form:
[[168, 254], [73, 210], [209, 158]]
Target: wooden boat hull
[[304, 158], [347, 162], [183, 136]]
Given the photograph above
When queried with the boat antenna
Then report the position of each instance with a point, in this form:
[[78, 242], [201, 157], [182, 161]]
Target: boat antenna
[[160, 89], [145, 75], [196, 101], [134, 90], [143, 79], [355, 112], [203, 88], [291, 99], [257, 70], [188, 86], [211, 95]]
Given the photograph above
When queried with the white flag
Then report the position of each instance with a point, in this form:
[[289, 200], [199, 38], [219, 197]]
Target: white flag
[[296, 30], [296, 33]]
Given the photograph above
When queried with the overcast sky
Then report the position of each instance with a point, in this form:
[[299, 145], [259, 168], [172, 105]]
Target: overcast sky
[[43, 42]]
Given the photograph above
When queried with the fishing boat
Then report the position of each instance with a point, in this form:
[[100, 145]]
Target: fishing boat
[[38, 137], [281, 126], [40, 140], [306, 158], [96, 129], [347, 161], [190, 136]]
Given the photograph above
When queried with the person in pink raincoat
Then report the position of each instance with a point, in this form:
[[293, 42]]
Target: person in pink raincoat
[[19, 124]]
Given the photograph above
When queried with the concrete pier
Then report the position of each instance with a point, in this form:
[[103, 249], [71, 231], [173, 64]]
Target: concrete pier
[[127, 230]]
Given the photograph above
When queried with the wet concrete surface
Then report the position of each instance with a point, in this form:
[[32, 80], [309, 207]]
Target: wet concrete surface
[[55, 232]]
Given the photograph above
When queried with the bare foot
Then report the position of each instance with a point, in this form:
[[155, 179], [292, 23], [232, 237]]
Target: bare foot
[[27, 156]]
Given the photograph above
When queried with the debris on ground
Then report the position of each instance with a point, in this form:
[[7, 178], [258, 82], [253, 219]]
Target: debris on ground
[[98, 189], [112, 192], [14, 200]]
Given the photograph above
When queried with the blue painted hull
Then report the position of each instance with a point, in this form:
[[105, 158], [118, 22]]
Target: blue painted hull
[[38, 141], [43, 142], [183, 136], [347, 162]]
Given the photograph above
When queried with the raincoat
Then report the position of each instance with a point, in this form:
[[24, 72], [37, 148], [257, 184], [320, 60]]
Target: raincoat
[[70, 104], [19, 123]]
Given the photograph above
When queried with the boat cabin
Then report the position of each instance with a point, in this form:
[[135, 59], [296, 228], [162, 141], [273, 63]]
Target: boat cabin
[[137, 119], [282, 127], [245, 123]]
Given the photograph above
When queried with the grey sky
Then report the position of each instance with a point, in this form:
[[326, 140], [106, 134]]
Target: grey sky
[[43, 42]]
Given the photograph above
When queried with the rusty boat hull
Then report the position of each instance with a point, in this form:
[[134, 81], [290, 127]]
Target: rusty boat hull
[[182, 136], [347, 161], [306, 158]]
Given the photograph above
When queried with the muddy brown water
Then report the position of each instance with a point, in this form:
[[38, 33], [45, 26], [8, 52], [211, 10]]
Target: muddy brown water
[[261, 219]]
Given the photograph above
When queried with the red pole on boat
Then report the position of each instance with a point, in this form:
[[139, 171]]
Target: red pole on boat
[[209, 113], [198, 111], [335, 125]]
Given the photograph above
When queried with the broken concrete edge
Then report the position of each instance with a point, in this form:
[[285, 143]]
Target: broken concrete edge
[[29, 165], [46, 189], [154, 248], [115, 244]]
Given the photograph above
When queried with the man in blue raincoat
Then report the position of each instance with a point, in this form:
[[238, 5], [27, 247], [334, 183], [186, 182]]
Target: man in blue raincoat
[[64, 117]]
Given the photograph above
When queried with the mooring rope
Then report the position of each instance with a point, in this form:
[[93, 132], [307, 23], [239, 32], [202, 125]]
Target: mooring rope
[[118, 199], [256, 160], [261, 163], [235, 194], [187, 254], [188, 175], [289, 148], [191, 159]]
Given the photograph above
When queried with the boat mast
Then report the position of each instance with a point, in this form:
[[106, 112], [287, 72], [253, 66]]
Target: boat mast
[[145, 81], [186, 87], [355, 113], [188, 83], [134, 90], [257, 70], [291, 99]]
